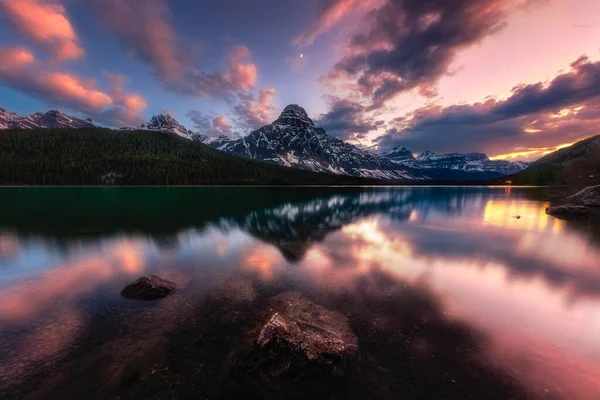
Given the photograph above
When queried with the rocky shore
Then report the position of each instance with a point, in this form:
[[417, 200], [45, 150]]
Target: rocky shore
[[583, 204]]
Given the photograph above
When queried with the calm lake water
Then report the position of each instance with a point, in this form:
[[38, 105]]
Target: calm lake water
[[450, 294]]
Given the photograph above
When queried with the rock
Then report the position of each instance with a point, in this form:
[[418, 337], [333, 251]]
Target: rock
[[149, 287], [568, 211], [297, 337], [589, 197]]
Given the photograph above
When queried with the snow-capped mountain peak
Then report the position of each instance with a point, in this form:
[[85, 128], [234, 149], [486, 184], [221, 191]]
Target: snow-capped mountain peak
[[401, 155], [50, 119], [468, 162], [166, 123], [294, 115], [293, 140]]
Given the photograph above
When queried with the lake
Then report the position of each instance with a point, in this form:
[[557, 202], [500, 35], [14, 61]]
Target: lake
[[452, 292]]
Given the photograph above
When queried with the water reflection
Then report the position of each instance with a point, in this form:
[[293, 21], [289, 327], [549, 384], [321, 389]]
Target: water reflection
[[529, 285]]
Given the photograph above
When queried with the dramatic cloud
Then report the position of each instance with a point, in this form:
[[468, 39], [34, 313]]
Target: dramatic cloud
[[347, 120], [214, 127], [332, 11], [252, 112], [541, 115], [144, 29], [410, 44], [20, 70], [44, 23]]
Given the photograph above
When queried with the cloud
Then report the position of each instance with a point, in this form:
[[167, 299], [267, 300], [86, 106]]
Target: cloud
[[211, 126], [347, 120], [45, 24], [252, 112], [410, 44], [130, 106], [20, 70], [539, 115], [332, 11], [145, 31], [241, 73]]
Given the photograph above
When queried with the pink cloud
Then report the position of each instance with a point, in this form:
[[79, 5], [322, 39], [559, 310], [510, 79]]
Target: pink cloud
[[45, 24], [215, 127], [19, 69], [253, 112], [221, 122], [144, 30], [332, 12], [242, 75]]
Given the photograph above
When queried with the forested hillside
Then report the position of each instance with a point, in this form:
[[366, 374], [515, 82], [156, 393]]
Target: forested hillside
[[101, 156], [577, 165]]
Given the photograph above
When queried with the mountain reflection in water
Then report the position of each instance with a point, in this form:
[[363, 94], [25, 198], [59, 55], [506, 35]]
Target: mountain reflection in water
[[421, 272]]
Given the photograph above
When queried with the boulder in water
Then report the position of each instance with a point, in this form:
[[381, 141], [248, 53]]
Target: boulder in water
[[296, 337], [588, 197], [149, 287]]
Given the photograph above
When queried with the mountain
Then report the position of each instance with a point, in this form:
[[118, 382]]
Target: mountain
[[106, 157], [578, 164], [468, 162], [52, 119], [293, 140], [166, 123], [401, 155]]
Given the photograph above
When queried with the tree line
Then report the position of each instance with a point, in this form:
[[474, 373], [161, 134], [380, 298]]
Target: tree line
[[97, 156]]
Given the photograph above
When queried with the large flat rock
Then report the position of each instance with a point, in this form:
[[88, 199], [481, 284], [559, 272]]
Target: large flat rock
[[296, 337], [588, 197], [568, 211]]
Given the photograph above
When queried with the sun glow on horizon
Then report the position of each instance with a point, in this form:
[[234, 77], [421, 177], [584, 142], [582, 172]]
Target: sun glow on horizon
[[530, 154]]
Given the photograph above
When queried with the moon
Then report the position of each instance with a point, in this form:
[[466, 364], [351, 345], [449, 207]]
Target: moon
[[301, 55]]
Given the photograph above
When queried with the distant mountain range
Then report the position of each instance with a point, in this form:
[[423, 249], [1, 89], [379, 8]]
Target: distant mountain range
[[468, 162], [293, 140], [50, 119]]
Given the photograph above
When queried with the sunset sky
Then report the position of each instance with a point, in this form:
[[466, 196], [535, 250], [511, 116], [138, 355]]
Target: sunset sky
[[509, 78]]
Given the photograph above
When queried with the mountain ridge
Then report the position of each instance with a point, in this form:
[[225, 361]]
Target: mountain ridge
[[293, 140], [468, 162], [578, 164], [51, 119]]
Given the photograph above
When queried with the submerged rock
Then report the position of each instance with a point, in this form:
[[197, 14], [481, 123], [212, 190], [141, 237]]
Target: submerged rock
[[568, 211], [589, 197], [149, 287], [296, 337]]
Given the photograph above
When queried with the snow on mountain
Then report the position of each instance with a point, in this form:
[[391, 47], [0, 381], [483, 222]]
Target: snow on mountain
[[468, 162], [50, 119], [401, 155], [166, 123], [293, 140]]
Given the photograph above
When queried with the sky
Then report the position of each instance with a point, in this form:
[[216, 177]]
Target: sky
[[515, 79]]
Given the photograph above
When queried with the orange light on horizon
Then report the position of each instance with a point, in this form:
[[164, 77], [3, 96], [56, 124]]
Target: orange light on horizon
[[535, 152]]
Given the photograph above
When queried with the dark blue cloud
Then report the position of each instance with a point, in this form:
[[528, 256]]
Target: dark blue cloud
[[411, 43], [347, 119], [526, 119]]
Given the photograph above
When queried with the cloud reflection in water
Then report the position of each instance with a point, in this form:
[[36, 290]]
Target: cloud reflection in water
[[530, 284]]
